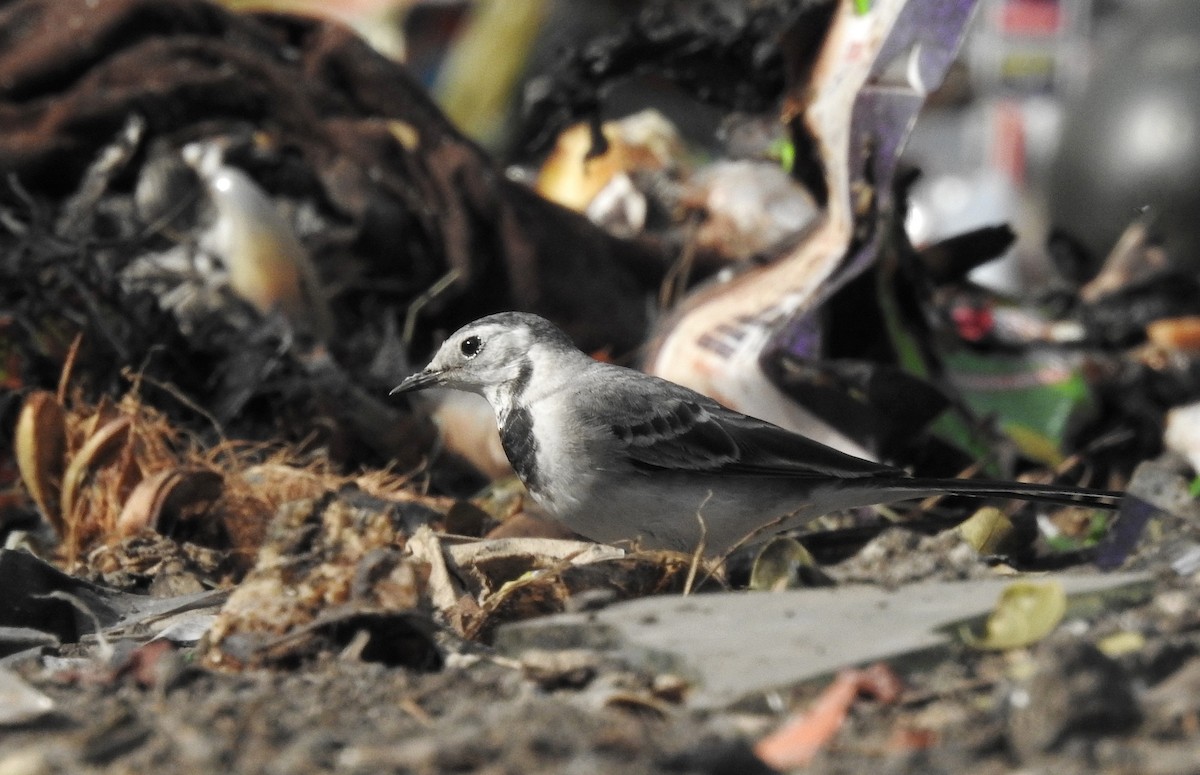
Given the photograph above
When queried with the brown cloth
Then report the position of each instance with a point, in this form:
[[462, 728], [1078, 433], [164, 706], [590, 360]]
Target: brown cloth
[[418, 198]]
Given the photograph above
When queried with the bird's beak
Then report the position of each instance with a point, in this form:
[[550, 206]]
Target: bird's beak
[[418, 381]]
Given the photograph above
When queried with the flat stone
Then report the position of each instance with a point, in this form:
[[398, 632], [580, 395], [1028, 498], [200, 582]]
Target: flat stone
[[20, 703], [736, 646]]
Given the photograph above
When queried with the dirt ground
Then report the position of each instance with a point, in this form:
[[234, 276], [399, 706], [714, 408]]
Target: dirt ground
[[1079, 701]]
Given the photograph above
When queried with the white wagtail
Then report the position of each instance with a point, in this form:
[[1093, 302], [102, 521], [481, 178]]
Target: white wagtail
[[620, 455]]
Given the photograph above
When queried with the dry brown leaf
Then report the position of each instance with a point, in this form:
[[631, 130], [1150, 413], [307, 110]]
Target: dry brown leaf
[[106, 472], [162, 501], [128, 474], [319, 554], [41, 443], [82, 423], [444, 588], [98, 451]]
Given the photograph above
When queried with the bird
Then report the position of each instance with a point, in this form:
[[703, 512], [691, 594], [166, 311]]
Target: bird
[[622, 456]]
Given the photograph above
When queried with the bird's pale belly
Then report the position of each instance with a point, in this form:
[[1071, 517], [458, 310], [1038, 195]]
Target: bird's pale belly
[[669, 514], [669, 510]]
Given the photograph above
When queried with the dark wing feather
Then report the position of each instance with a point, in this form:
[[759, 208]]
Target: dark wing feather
[[676, 434], [701, 435], [770, 450]]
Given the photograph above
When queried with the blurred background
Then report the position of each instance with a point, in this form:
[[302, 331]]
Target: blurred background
[[1068, 119]]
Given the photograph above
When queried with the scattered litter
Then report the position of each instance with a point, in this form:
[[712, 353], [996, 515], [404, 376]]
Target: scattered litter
[[20, 703]]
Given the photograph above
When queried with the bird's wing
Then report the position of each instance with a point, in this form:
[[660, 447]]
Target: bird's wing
[[769, 449], [661, 429]]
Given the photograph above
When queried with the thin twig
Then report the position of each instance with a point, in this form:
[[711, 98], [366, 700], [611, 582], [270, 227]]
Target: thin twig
[[64, 377], [173, 391], [678, 274], [95, 316], [751, 536], [419, 303], [415, 712], [701, 545]]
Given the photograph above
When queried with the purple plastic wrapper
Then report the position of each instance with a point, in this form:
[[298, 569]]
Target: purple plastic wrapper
[[1124, 537], [912, 62]]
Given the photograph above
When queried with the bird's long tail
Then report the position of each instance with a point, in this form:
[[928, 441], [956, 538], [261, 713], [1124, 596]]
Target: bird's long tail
[[1064, 495]]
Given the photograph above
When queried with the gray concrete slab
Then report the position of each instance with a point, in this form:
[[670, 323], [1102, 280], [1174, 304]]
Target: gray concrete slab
[[740, 645]]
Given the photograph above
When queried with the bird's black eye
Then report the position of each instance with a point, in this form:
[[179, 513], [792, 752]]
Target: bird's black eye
[[471, 346]]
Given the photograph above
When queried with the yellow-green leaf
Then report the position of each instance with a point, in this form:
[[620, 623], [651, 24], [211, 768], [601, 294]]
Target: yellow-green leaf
[[986, 530], [784, 563], [1026, 612]]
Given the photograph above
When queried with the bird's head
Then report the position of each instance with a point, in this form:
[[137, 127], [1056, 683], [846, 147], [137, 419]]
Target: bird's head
[[491, 356]]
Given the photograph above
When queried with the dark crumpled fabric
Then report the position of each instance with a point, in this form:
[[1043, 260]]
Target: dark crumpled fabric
[[71, 74]]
